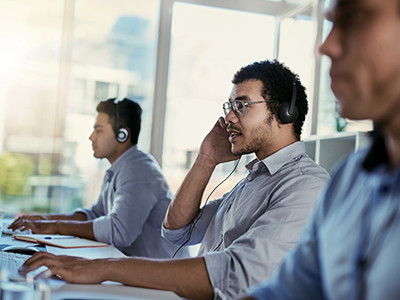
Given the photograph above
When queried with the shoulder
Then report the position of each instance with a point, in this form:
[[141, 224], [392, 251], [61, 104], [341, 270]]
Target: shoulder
[[304, 171], [348, 175], [349, 167], [140, 165]]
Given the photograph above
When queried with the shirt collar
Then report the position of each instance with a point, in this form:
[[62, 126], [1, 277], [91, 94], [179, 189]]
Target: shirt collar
[[277, 160], [377, 153], [122, 158]]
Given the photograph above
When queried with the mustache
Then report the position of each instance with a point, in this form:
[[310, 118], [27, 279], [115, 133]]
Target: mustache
[[230, 127]]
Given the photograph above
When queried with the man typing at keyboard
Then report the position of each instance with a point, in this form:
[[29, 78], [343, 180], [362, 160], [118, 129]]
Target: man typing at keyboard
[[134, 196]]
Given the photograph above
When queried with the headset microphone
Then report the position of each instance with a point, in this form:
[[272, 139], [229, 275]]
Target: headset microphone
[[121, 134], [288, 112]]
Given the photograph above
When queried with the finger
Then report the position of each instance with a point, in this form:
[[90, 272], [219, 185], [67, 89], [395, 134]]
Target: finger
[[222, 122], [23, 226], [41, 272], [36, 261], [37, 257], [16, 221], [17, 224]]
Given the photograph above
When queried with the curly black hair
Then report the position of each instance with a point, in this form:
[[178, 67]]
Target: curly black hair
[[129, 115], [277, 82]]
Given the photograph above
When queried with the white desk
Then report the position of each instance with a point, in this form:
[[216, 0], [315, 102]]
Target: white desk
[[108, 290]]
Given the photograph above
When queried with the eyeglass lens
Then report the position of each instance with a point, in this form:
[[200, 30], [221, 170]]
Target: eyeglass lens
[[238, 107]]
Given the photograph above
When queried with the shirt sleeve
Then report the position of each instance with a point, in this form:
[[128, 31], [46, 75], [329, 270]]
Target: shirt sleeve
[[193, 233], [132, 204], [94, 211]]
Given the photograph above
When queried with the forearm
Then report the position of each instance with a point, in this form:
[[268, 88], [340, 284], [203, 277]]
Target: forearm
[[83, 229], [185, 206], [77, 216], [53, 224], [186, 277]]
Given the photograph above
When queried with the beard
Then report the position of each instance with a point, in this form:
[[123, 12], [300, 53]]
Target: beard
[[259, 137]]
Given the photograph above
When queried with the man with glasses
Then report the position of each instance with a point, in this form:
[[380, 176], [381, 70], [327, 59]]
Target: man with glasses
[[245, 234]]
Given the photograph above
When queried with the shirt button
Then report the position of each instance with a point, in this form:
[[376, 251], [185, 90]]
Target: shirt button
[[249, 178]]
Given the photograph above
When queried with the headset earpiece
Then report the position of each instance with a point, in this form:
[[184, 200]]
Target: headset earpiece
[[284, 114], [121, 134], [288, 112]]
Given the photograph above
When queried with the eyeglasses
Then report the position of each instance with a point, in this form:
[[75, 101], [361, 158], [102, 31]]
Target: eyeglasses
[[239, 106]]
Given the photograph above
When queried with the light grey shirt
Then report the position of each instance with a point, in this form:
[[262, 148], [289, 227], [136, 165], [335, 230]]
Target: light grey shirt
[[245, 234], [131, 207]]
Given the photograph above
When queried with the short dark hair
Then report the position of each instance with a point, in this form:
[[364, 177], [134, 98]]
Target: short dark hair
[[129, 115], [277, 82]]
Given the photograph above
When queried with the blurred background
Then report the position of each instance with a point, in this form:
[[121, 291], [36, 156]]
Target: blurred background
[[59, 58]]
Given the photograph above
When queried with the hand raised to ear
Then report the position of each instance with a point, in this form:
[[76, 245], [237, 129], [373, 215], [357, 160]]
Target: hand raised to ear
[[216, 146]]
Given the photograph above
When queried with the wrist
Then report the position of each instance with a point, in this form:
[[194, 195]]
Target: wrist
[[205, 161], [57, 227], [103, 268]]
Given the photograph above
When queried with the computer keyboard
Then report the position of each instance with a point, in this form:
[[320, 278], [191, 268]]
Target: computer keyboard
[[11, 262]]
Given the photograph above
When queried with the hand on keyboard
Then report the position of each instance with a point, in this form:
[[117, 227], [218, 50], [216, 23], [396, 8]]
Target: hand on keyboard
[[10, 231]]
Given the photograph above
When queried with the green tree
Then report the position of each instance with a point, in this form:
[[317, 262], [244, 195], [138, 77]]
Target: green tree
[[15, 169]]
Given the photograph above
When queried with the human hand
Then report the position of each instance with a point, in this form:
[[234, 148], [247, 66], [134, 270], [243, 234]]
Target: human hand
[[68, 268], [216, 146], [36, 226], [31, 217], [14, 226]]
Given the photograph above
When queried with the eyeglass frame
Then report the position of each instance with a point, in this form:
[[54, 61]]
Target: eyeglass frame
[[237, 112]]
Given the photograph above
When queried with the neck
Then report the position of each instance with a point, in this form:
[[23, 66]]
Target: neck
[[392, 140], [390, 128], [119, 151], [284, 142]]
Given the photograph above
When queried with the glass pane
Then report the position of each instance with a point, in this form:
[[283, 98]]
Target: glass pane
[[329, 121], [57, 60], [113, 55], [296, 50], [208, 46], [30, 139]]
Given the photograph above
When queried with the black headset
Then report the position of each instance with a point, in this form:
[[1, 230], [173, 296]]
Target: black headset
[[121, 134], [288, 112]]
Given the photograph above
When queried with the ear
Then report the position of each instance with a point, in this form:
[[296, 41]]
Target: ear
[[281, 124]]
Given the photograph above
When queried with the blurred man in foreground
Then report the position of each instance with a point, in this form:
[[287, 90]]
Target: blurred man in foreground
[[350, 248]]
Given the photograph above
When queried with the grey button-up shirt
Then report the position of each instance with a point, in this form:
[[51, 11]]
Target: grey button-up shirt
[[245, 234], [132, 205]]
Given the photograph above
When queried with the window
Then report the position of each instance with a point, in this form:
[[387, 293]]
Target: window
[[30, 134], [296, 50], [58, 60], [329, 120], [208, 45]]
